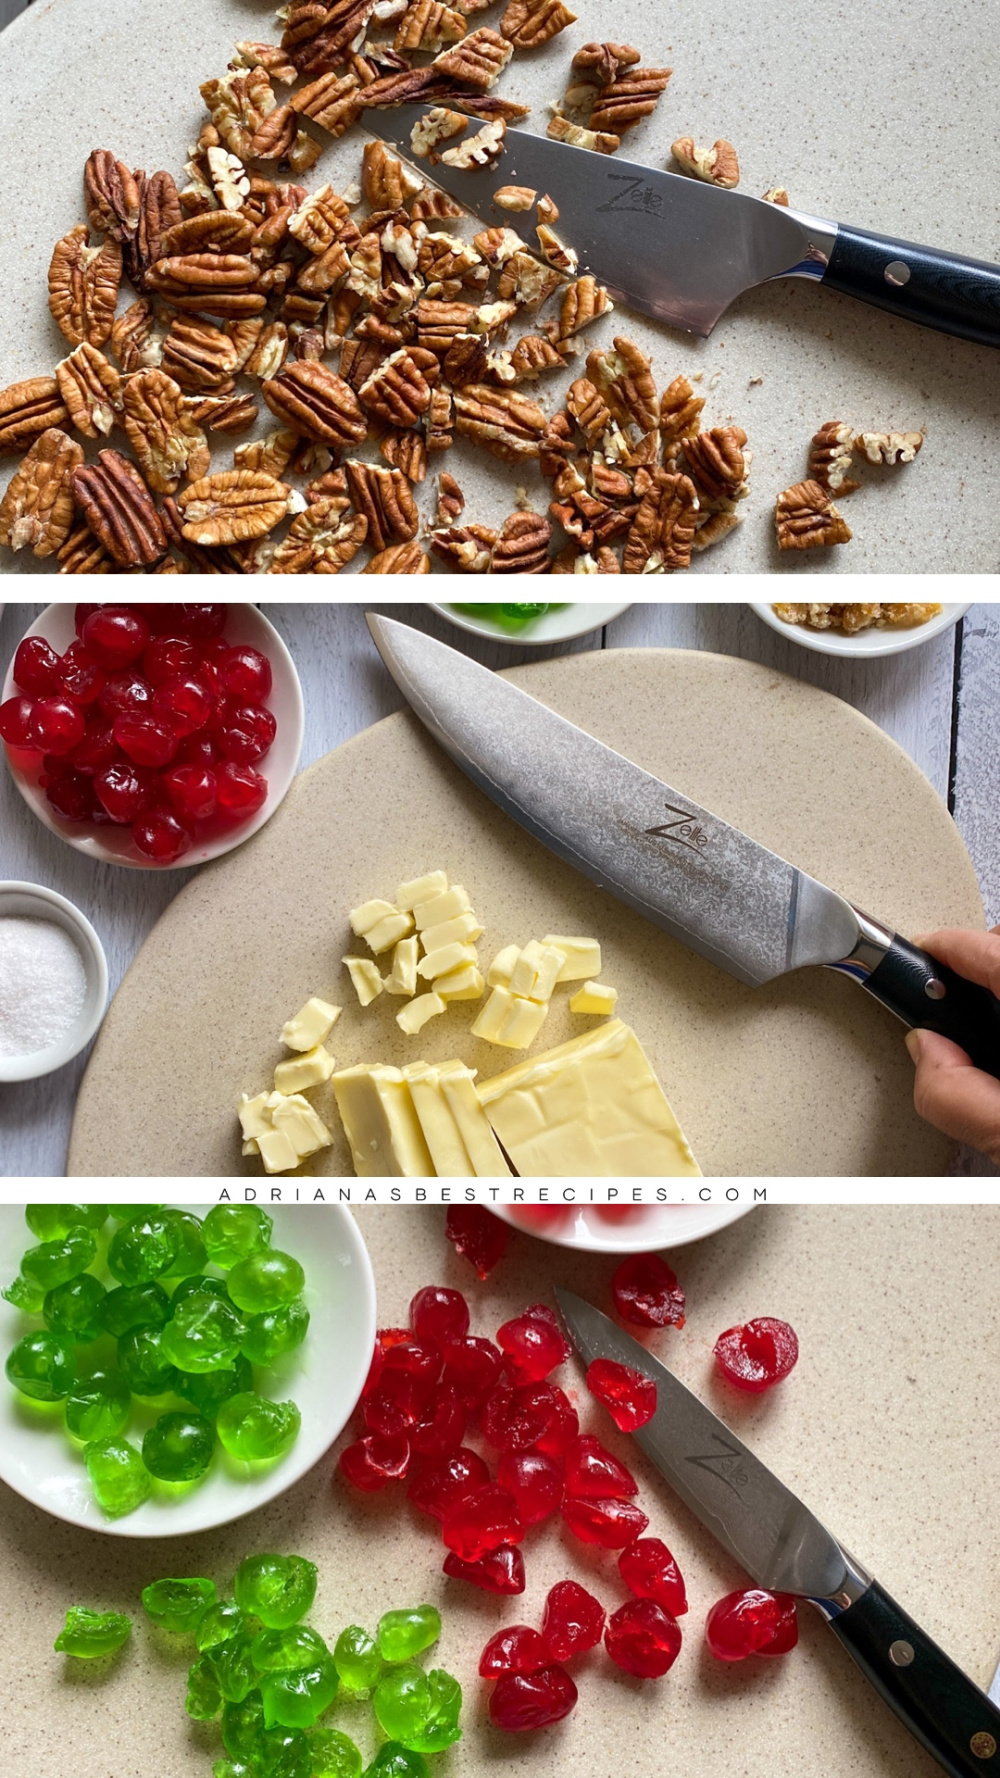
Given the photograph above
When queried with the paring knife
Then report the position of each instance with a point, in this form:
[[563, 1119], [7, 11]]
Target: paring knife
[[700, 879], [784, 1548], [683, 250]]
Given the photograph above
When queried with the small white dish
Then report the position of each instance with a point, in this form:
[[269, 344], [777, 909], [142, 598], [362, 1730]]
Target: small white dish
[[648, 1228], [31, 901], [865, 643], [324, 1377], [113, 845], [559, 625]]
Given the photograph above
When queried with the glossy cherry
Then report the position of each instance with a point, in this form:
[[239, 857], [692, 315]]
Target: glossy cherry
[[535, 1481], [201, 622], [81, 678], [168, 657], [441, 1426], [593, 1473], [37, 668], [439, 1316], [572, 1621], [161, 836], [752, 1622], [241, 790], [629, 1395], [436, 1487], [477, 1236], [533, 1343], [473, 1365], [647, 1293], [499, 1571], [609, 1523], [643, 1639], [758, 1354], [482, 1522], [125, 791], [515, 1418], [56, 725], [247, 733], [80, 616], [146, 739], [397, 1401], [197, 750], [17, 722], [71, 794], [521, 1701], [650, 1572], [372, 1463], [183, 703], [124, 694], [115, 635], [245, 674], [517, 1649], [191, 790]]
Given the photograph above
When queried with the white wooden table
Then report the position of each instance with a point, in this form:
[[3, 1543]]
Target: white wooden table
[[939, 701]]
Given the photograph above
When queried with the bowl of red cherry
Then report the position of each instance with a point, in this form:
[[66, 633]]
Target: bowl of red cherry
[[152, 735]]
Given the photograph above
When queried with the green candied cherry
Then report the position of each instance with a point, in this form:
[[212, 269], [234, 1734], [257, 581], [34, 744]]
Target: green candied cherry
[[267, 1280], [402, 1703], [73, 1308], [190, 1258], [143, 1362], [394, 1761], [205, 1285], [232, 1232], [235, 1673], [403, 1634], [129, 1306], [334, 1755], [223, 1620], [234, 1768], [254, 1429], [441, 1728], [89, 1634], [207, 1390], [178, 1605], [284, 1753], [118, 1476], [128, 1212], [55, 1262], [296, 1697], [178, 1447], [98, 1406], [204, 1699], [24, 1294], [275, 1332], [357, 1660], [145, 1248], [204, 1333], [276, 1651], [243, 1726], [52, 1222], [42, 1366], [277, 1589]]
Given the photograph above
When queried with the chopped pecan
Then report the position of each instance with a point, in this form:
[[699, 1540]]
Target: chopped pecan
[[277, 137], [111, 194], [515, 197], [333, 101], [625, 379], [313, 400], [271, 455], [629, 98], [578, 136], [466, 360], [321, 540], [135, 340], [450, 499], [238, 104], [488, 106], [222, 413], [526, 281], [526, 361], [163, 433], [589, 409], [334, 482], [385, 183], [398, 392], [83, 554], [523, 545], [831, 457], [37, 509], [582, 302], [428, 24], [680, 408], [303, 20], [27, 409], [270, 349], [717, 464], [324, 270], [300, 310], [409, 87], [557, 445], [309, 344], [503, 421], [481, 150], [444, 258], [406, 451], [91, 389], [806, 518], [233, 506], [343, 26], [530, 23], [776, 194], [230, 181], [466, 548], [433, 206], [436, 126], [440, 323], [386, 499], [399, 558], [497, 245], [661, 534], [477, 60], [548, 209], [713, 528], [304, 152], [888, 447], [555, 251], [268, 56], [83, 287], [119, 510], [365, 275], [440, 419], [599, 63], [717, 165]]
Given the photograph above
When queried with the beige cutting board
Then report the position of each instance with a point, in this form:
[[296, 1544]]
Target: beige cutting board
[[808, 1075]]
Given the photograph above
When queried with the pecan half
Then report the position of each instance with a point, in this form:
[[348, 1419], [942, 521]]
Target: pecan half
[[313, 400], [399, 558], [199, 356], [163, 433], [831, 457], [333, 101], [321, 540], [209, 283], [432, 206], [27, 409], [91, 389], [111, 195], [477, 60], [222, 413], [398, 392], [466, 548], [599, 63], [530, 23], [386, 499], [83, 286], [238, 104], [806, 518], [582, 302], [680, 409], [662, 530], [37, 510], [428, 24], [135, 340], [629, 98], [504, 422], [625, 379], [717, 464], [406, 451], [233, 506], [578, 136], [523, 545], [119, 510], [717, 165], [888, 447]]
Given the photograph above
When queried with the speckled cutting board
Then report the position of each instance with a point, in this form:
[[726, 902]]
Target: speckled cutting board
[[872, 115], [807, 1075], [887, 1429]]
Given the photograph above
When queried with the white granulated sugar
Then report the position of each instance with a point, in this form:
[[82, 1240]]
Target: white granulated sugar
[[43, 985]]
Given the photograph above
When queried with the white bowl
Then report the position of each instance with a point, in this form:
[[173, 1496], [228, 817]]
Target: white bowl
[[648, 1229], [554, 626], [31, 901], [113, 845], [865, 642], [324, 1377]]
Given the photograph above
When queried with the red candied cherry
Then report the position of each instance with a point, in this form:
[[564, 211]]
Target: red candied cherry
[[473, 1366], [125, 791], [196, 750], [477, 1236], [481, 1522], [650, 1572], [517, 1649], [17, 726], [57, 725], [572, 1621], [168, 657], [202, 622], [593, 1473], [410, 1355], [563, 1422], [629, 1395], [514, 1418], [115, 636], [499, 1571], [191, 790], [647, 1293], [247, 732], [441, 1427], [71, 794], [210, 655], [397, 1401], [183, 703], [758, 1354], [609, 1523], [161, 836], [98, 748], [242, 791], [439, 1316], [37, 668], [521, 1701], [534, 1343], [384, 1338], [436, 1487], [146, 740], [80, 616], [372, 1463], [752, 1622], [124, 694], [643, 1639], [81, 678], [245, 674], [535, 1481]]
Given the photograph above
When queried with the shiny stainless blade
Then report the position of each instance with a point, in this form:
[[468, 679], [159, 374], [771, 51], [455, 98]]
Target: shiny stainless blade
[[754, 1516], [670, 246], [700, 879]]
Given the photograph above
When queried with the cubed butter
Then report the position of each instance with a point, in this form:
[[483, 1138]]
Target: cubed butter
[[277, 1151], [447, 906], [368, 915], [458, 1084], [365, 978], [463, 930], [255, 1119], [311, 1025], [300, 1122], [388, 932], [594, 997], [420, 889], [583, 957], [442, 962], [440, 1129], [301, 1072], [537, 970], [502, 967], [593, 1108], [402, 978], [381, 1123], [510, 1020], [465, 983], [414, 1017]]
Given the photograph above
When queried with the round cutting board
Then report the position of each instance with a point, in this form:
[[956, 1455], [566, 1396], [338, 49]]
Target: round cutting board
[[807, 1075]]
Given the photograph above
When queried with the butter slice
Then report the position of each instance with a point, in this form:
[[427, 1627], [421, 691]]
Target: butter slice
[[301, 1072], [368, 915], [300, 1122], [465, 983], [594, 997], [365, 978], [464, 929], [458, 1084], [441, 1132], [419, 889], [255, 1119], [442, 962], [536, 971], [592, 1107], [277, 1151], [402, 978], [583, 957], [381, 1124], [502, 967], [439, 908], [311, 1025], [510, 1020], [388, 932], [414, 1017]]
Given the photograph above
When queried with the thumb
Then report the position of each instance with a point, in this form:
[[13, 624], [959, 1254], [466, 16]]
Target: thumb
[[951, 1094]]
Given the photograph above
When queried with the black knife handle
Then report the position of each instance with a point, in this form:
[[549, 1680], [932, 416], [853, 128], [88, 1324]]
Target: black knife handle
[[939, 1704], [921, 991], [942, 290]]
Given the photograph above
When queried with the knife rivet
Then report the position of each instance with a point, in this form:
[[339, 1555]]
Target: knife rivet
[[901, 1653], [897, 272], [934, 989], [983, 1745]]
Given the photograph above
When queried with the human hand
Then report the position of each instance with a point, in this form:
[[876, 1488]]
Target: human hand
[[948, 1091]]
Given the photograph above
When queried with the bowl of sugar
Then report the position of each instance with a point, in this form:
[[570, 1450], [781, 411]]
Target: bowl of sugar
[[53, 981]]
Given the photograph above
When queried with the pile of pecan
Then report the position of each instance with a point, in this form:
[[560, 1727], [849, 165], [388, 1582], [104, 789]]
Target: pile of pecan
[[370, 328], [804, 515]]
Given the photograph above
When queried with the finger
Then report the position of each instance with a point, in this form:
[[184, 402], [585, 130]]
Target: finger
[[956, 1098], [976, 955]]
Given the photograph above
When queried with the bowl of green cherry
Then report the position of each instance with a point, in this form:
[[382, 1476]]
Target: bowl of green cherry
[[530, 626], [168, 1370]]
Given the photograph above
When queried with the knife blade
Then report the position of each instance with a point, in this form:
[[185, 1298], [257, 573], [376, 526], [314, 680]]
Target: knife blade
[[684, 250], [694, 875], [784, 1547]]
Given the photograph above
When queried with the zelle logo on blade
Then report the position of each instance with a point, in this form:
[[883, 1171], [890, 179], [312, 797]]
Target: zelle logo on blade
[[685, 829]]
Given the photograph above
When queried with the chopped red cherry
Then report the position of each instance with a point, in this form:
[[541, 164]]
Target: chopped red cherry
[[56, 725], [610, 1523], [161, 836], [191, 790], [37, 668], [146, 740], [650, 1572], [168, 657], [593, 1473], [517, 1649], [81, 678], [245, 674], [372, 1463], [534, 1343], [436, 1487], [71, 794], [477, 1236], [629, 1395], [535, 1481], [481, 1522], [752, 1622], [441, 1427], [439, 1316], [242, 791], [647, 1293], [17, 722], [643, 1639], [115, 636], [758, 1354], [522, 1701], [124, 694], [499, 1571], [184, 704], [407, 1354], [516, 1417], [125, 791], [572, 1621], [247, 732], [396, 1402], [473, 1366]]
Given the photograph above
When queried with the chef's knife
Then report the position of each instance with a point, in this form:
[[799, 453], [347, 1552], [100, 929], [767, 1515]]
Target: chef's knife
[[702, 880], [782, 1547], [683, 250]]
